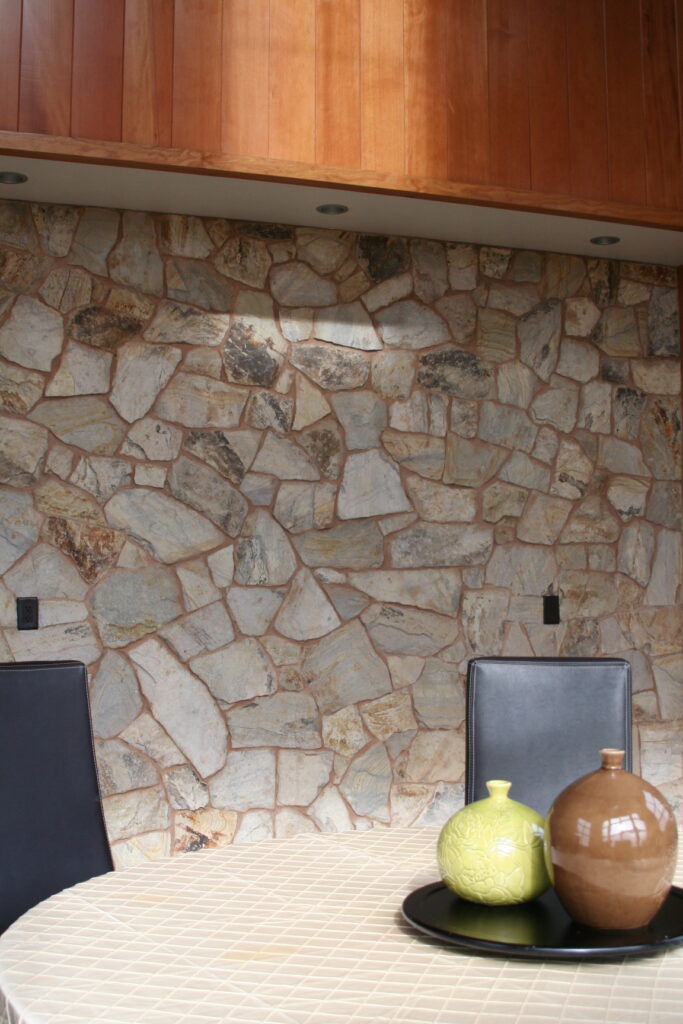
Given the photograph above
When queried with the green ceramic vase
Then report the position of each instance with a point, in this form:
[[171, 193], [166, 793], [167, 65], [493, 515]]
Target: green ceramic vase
[[491, 851]]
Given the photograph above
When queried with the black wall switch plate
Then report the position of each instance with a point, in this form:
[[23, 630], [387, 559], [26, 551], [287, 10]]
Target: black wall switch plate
[[27, 613], [551, 609]]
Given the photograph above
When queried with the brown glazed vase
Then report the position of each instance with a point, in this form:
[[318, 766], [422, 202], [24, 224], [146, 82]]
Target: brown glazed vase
[[610, 843]]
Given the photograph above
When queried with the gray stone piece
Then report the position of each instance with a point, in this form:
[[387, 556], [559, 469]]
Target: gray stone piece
[[347, 325], [410, 325], [209, 493], [556, 406], [86, 421], [371, 486], [45, 571], [524, 568], [121, 769], [115, 700], [296, 284], [462, 266], [306, 613], [231, 452], [97, 232], [660, 437], [269, 411], [305, 506], [281, 720], [167, 527], [516, 384], [176, 323], [324, 445], [353, 545], [72, 641], [344, 669], [579, 360], [19, 525], [301, 775], [186, 792], [202, 631], [525, 472], [135, 260], [543, 519], [664, 586], [438, 503], [471, 463], [152, 440], [456, 372], [430, 269], [419, 453], [396, 629], [142, 371], [184, 236], [362, 415], [142, 810], [240, 671], [20, 389], [247, 780], [22, 451], [663, 323], [102, 476], [284, 459], [146, 734], [82, 371], [621, 457], [254, 608], [439, 696], [367, 783], [197, 401], [16, 225], [131, 603], [263, 554], [460, 313], [664, 505], [436, 544], [32, 335], [591, 522], [333, 369], [497, 338], [511, 428], [539, 337], [189, 280]]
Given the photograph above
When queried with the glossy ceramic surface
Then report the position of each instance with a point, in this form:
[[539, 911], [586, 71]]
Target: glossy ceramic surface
[[611, 843], [491, 851]]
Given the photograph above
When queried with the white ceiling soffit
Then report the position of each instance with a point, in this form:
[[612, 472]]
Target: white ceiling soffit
[[57, 181]]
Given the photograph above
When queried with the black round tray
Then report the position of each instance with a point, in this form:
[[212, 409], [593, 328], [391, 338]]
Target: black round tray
[[541, 929]]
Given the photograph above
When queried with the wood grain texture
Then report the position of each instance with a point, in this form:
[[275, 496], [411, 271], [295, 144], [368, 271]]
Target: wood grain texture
[[97, 74], [148, 72], [197, 70], [625, 111], [337, 83], [467, 91], [10, 51], [426, 83], [382, 102], [292, 80], [246, 76], [548, 100], [660, 97], [679, 38], [508, 64], [45, 83], [587, 99]]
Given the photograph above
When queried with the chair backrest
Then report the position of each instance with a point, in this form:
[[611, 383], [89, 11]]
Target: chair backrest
[[541, 722], [53, 831]]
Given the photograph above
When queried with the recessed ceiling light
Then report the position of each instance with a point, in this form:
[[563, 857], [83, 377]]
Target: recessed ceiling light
[[12, 178], [605, 240], [332, 209]]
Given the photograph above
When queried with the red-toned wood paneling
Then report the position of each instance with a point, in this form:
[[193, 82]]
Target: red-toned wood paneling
[[587, 92], [197, 72], [10, 50], [292, 80], [337, 83], [148, 72], [45, 83], [246, 76], [508, 66], [660, 90], [382, 112], [625, 110], [548, 106], [426, 83], [97, 77], [466, 98]]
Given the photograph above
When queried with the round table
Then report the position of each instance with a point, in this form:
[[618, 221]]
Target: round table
[[305, 930]]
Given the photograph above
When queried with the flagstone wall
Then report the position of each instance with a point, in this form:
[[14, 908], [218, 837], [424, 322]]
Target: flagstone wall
[[276, 485]]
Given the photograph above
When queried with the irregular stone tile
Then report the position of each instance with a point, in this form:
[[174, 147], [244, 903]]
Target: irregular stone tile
[[581, 639], [497, 335], [343, 731], [296, 324], [84, 421], [483, 615], [56, 226], [245, 259], [59, 461], [171, 690], [351, 546], [186, 792], [270, 411], [664, 586], [435, 755], [221, 565], [248, 359], [456, 373], [130, 303], [516, 643], [333, 369], [573, 471], [284, 459], [247, 780], [438, 696], [636, 550], [141, 849], [563, 275], [663, 506], [363, 417], [621, 457], [146, 734], [302, 506], [558, 406], [206, 491], [204, 361], [596, 407], [135, 260], [71, 641], [130, 603], [93, 549], [627, 496], [21, 271], [580, 317], [254, 609], [239, 672], [591, 522], [509, 427], [501, 500], [348, 325], [649, 273], [47, 572], [121, 769], [516, 385], [142, 371], [20, 389], [371, 486], [259, 489], [347, 603], [543, 519], [627, 409], [175, 324], [306, 613], [462, 266], [302, 775], [517, 299], [526, 266], [296, 284], [668, 672], [524, 568], [329, 811], [170, 529], [411, 415], [16, 225], [657, 630], [152, 439], [184, 236], [311, 405], [196, 401], [82, 371], [602, 558], [280, 720], [115, 700], [143, 810], [494, 261], [440, 504], [539, 336], [322, 249], [393, 372], [659, 377], [632, 293], [419, 453], [32, 335], [97, 232], [434, 544], [660, 437], [189, 280], [617, 332], [410, 325], [19, 524], [525, 472], [578, 359], [255, 827], [663, 323], [197, 586], [263, 555], [471, 463], [386, 292], [367, 782], [150, 476], [102, 476], [344, 669], [389, 715], [587, 595], [201, 631], [103, 328], [383, 257], [231, 453], [22, 451]]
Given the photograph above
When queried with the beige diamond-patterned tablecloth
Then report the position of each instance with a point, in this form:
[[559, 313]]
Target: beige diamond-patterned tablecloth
[[299, 931]]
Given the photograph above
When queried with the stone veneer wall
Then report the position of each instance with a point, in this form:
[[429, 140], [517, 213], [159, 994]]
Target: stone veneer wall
[[275, 486]]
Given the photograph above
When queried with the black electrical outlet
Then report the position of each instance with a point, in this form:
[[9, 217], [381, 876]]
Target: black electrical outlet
[[551, 609], [27, 613]]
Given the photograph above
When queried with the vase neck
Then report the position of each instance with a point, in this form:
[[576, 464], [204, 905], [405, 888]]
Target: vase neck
[[612, 759], [498, 788]]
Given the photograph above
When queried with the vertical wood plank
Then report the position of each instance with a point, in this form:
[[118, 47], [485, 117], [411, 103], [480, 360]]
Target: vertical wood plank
[[660, 87], [587, 88], [426, 78], [337, 83], [197, 67], [549, 104], [148, 72], [509, 93], [10, 48], [45, 82], [467, 92], [625, 117], [679, 36], [246, 41], [292, 80], [382, 86], [97, 76]]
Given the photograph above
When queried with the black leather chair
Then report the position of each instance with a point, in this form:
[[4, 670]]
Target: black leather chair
[[541, 722], [53, 831]]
